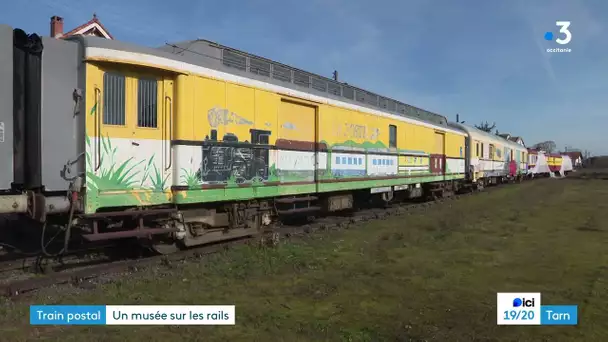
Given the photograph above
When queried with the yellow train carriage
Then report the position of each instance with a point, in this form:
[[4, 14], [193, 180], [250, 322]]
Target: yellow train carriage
[[163, 128], [554, 161]]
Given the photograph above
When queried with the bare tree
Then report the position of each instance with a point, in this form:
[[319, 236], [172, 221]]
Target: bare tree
[[547, 146], [486, 127]]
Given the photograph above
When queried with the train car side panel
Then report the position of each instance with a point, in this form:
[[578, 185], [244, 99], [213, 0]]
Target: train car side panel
[[370, 151], [6, 107], [62, 116], [455, 156], [128, 124], [250, 143], [294, 159], [244, 142]]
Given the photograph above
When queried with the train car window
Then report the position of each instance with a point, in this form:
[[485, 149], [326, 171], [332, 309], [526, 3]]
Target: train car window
[[482, 154], [147, 105], [372, 99], [301, 79], [333, 88], [360, 96], [259, 67], [491, 151], [234, 60], [319, 84], [401, 108], [281, 73], [383, 102], [476, 149], [392, 136], [113, 99], [348, 92]]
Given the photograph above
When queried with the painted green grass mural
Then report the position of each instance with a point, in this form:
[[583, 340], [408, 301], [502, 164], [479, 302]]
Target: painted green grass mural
[[121, 176], [109, 176], [189, 179], [276, 175], [158, 182]]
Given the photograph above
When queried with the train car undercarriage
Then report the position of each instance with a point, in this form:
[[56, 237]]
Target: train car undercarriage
[[167, 229]]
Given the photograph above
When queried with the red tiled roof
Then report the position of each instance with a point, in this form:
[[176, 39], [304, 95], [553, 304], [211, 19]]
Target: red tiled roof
[[573, 155], [92, 21]]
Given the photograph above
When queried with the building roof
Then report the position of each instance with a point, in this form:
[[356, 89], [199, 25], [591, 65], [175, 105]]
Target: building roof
[[91, 27], [573, 155]]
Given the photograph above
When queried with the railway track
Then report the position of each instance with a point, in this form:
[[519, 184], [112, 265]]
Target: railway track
[[99, 267]]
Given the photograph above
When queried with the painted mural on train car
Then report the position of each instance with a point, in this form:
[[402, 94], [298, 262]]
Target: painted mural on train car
[[239, 142]]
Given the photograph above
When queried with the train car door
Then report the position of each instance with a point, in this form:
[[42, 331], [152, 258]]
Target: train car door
[[297, 157], [439, 153], [109, 131], [152, 131]]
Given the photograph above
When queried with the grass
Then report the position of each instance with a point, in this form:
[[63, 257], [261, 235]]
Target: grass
[[431, 275]]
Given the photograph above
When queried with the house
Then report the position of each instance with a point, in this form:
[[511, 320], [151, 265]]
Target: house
[[517, 140], [576, 157], [92, 27]]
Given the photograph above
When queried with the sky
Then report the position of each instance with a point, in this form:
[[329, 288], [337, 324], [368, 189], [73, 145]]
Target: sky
[[485, 60]]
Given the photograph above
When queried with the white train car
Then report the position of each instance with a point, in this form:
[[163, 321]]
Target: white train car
[[485, 159]]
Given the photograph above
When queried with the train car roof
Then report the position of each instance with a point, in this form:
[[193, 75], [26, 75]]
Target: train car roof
[[458, 127], [206, 54], [476, 132], [307, 81]]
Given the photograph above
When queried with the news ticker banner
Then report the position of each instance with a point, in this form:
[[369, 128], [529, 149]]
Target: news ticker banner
[[132, 314], [512, 309], [516, 308]]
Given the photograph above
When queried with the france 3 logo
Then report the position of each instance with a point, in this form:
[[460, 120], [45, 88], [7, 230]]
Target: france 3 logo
[[564, 39], [518, 308]]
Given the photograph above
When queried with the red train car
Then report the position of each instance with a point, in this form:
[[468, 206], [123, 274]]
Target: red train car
[[555, 161]]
